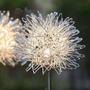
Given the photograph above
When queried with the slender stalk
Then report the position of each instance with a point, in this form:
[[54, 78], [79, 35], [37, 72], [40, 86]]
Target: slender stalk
[[49, 81]]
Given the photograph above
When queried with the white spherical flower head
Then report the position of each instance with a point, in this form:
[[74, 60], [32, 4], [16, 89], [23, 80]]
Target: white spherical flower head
[[8, 31], [51, 43]]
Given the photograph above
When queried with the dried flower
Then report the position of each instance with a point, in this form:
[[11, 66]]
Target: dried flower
[[8, 31], [51, 43]]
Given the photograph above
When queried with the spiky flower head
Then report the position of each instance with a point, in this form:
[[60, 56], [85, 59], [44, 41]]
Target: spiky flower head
[[8, 30], [51, 43]]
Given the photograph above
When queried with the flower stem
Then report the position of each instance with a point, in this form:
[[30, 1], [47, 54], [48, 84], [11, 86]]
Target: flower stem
[[49, 80]]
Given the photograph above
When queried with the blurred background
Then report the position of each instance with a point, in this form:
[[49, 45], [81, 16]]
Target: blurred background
[[18, 79]]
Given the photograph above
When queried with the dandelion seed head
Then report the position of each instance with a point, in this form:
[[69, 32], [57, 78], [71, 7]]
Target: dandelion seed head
[[51, 43], [8, 31]]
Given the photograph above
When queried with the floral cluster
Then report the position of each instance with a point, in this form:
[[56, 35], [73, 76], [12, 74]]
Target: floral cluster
[[46, 43], [8, 31]]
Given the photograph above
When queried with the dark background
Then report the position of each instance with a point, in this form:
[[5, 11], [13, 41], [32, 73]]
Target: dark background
[[18, 79]]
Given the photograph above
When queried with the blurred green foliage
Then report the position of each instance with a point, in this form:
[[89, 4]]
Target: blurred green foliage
[[10, 4]]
